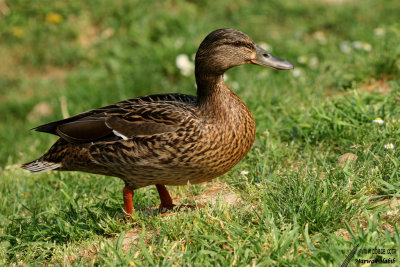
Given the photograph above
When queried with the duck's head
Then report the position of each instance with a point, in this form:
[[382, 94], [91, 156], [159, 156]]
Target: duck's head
[[226, 48]]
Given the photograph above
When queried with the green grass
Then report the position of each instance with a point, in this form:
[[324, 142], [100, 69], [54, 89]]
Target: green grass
[[298, 205]]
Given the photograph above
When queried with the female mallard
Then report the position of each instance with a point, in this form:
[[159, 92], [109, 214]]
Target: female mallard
[[168, 139]]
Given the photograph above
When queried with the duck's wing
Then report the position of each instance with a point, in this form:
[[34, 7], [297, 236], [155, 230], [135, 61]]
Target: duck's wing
[[143, 116]]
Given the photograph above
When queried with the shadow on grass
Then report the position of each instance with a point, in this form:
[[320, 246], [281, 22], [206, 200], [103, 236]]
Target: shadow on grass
[[39, 233]]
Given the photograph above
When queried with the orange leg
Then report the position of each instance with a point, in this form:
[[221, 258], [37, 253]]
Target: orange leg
[[166, 200], [128, 203]]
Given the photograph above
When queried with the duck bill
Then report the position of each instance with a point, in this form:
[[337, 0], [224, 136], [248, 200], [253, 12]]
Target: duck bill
[[263, 58]]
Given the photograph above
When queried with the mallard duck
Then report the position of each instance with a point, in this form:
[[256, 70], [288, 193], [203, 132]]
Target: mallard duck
[[165, 139]]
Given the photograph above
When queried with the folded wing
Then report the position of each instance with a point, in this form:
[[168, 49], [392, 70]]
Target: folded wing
[[138, 117]]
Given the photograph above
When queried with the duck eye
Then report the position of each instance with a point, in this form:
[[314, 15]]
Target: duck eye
[[237, 43]]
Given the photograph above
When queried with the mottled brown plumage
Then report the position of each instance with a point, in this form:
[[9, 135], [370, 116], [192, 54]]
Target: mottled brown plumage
[[169, 139]]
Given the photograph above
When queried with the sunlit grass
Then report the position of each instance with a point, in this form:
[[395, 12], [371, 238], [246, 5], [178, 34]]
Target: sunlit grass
[[300, 203]]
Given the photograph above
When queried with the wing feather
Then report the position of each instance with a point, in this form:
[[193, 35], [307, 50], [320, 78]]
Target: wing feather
[[132, 129], [138, 117], [118, 108]]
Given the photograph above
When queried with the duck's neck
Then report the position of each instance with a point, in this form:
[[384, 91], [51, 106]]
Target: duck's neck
[[212, 93], [209, 86]]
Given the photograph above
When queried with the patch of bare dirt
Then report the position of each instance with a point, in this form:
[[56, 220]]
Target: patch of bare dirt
[[12, 66], [42, 109], [381, 86], [132, 238], [4, 9], [216, 192], [374, 85], [347, 157], [392, 204], [10, 62], [48, 72], [91, 252], [91, 34], [13, 70], [57, 76]]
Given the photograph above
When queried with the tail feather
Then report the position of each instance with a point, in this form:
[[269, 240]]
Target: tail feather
[[41, 165]]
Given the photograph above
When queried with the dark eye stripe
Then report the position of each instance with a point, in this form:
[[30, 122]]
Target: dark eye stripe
[[249, 45], [245, 44]]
